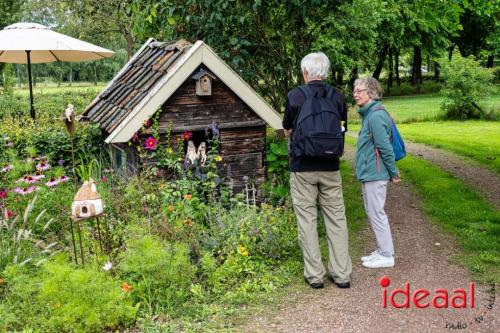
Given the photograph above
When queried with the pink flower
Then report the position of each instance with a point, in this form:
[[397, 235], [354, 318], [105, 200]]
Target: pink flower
[[27, 179], [3, 194], [63, 179], [52, 182], [9, 213], [42, 166], [38, 175], [186, 135], [7, 167], [104, 179], [151, 143], [26, 190]]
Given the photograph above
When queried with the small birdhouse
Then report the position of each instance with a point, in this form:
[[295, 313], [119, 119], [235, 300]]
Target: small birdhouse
[[87, 202], [203, 83]]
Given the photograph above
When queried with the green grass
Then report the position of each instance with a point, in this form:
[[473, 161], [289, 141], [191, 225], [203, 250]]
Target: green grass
[[479, 140], [407, 109], [456, 208], [54, 89]]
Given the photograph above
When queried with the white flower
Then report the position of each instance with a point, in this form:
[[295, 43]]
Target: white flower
[[107, 266]]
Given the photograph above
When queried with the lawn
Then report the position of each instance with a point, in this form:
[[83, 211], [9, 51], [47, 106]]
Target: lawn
[[479, 140], [458, 210], [407, 109]]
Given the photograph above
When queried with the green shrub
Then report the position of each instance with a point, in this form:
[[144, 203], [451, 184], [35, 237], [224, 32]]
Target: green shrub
[[62, 298], [160, 273], [465, 83]]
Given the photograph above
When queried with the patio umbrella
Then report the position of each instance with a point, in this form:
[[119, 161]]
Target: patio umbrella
[[32, 43]]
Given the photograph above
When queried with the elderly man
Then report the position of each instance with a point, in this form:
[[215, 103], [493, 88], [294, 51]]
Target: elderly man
[[315, 120]]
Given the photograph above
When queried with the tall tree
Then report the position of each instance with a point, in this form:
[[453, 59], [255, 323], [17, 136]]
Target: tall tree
[[10, 11]]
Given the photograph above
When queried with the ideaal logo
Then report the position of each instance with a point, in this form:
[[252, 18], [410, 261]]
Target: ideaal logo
[[422, 298]]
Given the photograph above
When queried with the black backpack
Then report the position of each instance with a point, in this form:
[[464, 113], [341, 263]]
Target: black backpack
[[317, 128]]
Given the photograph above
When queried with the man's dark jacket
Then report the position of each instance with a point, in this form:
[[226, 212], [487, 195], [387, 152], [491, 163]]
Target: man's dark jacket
[[294, 102]]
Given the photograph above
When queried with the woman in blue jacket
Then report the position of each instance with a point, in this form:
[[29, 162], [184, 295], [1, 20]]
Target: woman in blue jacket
[[375, 166]]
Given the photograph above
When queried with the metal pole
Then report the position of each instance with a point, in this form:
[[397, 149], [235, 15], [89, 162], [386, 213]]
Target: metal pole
[[73, 238], [32, 108]]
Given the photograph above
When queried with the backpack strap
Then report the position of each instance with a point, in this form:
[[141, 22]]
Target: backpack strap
[[380, 107], [306, 90]]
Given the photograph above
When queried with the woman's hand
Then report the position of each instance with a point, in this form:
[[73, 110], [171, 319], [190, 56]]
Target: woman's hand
[[396, 179]]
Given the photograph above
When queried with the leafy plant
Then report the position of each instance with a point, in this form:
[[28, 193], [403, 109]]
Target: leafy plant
[[465, 83]]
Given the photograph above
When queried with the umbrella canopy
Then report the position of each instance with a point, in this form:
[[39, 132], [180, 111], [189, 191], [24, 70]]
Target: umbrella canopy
[[27, 43]]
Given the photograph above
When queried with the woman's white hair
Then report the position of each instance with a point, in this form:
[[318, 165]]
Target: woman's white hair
[[316, 65], [372, 86]]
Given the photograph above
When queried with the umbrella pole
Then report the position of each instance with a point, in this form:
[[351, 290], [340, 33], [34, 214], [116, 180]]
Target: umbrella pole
[[32, 108]]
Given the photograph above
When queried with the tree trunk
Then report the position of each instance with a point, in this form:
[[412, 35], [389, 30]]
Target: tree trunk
[[130, 44], [489, 63], [416, 71], [339, 79], [380, 64], [396, 65], [436, 71], [390, 77], [450, 51], [354, 76]]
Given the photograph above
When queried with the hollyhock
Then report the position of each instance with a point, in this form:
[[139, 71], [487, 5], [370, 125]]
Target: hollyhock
[[148, 123], [151, 143]]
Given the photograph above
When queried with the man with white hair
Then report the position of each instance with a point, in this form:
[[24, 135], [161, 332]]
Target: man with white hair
[[315, 120]]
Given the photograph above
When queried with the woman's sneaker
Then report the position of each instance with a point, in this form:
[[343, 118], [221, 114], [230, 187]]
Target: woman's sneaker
[[370, 256], [379, 262]]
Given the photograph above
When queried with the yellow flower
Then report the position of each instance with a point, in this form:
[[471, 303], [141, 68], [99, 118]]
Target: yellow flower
[[218, 158], [242, 250], [187, 196]]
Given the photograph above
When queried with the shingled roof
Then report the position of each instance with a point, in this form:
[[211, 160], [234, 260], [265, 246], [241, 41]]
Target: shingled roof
[[133, 83], [155, 72]]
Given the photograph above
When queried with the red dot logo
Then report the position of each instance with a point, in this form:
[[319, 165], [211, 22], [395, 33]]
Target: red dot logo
[[384, 281]]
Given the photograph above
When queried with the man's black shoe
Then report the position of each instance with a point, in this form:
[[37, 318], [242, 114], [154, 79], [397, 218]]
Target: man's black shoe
[[342, 285], [315, 285]]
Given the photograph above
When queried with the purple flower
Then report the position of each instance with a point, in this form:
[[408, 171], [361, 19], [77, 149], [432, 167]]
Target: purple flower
[[61, 162], [52, 182], [7, 167], [38, 175], [27, 179], [215, 129], [63, 179], [43, 166], [26, 190]]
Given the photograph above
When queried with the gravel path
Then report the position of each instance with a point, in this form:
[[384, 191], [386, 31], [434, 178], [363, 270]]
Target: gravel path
[[422, 258], [481, 179]]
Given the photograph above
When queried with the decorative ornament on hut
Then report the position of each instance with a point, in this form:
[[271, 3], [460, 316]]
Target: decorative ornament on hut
[[87, 202]]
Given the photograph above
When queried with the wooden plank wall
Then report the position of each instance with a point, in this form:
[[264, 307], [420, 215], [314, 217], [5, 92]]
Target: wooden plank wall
[[242, 146]]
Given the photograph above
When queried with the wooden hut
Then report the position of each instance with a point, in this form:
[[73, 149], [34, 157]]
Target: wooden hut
[[192, 88]]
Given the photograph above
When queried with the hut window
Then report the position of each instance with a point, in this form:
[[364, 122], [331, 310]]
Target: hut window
[[119, 158]]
